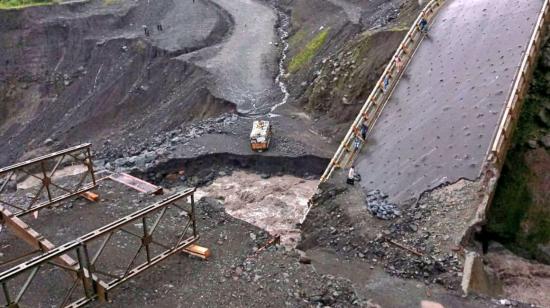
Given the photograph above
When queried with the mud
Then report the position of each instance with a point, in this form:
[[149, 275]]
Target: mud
[[305, 166], [275, 204], [522, 280]]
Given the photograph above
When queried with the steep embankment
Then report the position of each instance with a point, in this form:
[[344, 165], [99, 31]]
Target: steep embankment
[[338, 50], [520, 215], [86, 72]]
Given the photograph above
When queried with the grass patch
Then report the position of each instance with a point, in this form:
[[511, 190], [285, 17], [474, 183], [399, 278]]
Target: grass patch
[[297, 38], [514, 219], [17, 4], [308, 52]]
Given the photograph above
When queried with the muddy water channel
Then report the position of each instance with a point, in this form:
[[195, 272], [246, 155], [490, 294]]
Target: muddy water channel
[[275, 204]]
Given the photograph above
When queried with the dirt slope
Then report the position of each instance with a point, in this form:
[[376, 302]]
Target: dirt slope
[[75, 69]]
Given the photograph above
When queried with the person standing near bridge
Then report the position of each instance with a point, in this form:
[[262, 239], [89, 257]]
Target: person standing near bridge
[[364, 129], [351, 176], [398, 63], [385, 83]]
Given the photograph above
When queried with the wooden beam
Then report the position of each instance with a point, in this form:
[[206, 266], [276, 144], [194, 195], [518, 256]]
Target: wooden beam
[[30, 236], [197, 251]]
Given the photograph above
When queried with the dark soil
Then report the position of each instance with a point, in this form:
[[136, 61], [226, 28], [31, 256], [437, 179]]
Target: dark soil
[[75, 69]]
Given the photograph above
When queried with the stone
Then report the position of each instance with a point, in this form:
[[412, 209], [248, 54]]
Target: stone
[[304, 260], [544, 117], [532, 144], [545, 141], [504, 302], [48, 142], [543, 252]]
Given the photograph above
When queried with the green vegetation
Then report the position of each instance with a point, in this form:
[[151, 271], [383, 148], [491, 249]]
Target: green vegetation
[[515, 218], [16, 4], [297, 38], [308, 52]]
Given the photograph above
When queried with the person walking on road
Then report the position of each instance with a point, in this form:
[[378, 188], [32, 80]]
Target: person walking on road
[[160, 28], [385, 83], [145, 30], [364, 129], [423, 25], [351, 176]]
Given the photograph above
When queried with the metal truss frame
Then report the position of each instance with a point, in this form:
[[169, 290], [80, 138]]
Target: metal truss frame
[[44, 169], [95, 280]]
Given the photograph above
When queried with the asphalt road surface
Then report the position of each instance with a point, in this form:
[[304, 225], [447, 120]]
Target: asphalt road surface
[[438, 125]]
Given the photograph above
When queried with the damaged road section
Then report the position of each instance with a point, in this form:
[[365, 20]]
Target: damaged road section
[[422, 244], [441, 118]]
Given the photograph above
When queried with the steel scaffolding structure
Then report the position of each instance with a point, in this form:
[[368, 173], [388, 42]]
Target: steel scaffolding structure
[[160, 235], [50, 189]]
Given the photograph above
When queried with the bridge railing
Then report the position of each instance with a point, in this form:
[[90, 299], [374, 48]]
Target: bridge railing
[[503, 134], [374, 104]]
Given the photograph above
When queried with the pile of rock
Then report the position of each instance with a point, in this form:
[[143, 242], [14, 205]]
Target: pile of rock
[[379, 205]]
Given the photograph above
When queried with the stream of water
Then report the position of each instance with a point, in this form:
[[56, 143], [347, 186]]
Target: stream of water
[[282, 31]]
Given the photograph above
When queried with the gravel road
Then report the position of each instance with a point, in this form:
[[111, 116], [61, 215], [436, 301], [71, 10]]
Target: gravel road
[[245, 64]]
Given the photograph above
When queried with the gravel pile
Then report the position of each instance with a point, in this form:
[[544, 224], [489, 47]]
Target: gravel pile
[[380, 207]]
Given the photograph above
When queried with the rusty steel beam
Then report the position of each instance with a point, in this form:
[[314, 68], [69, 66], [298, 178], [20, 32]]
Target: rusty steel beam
[[44, 169], [97, 280]]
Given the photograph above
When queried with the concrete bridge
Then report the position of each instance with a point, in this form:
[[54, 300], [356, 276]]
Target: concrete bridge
[[440, 116], [444, 110]]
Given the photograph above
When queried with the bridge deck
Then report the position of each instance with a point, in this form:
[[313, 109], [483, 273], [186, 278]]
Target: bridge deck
[[438, 124]]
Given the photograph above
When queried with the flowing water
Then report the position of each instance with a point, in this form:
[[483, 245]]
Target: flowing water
[[282, 31], [276, 204]]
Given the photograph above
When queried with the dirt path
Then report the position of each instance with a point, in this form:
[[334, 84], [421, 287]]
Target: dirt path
[[245, 64]]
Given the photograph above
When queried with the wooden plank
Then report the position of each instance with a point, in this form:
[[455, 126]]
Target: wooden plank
[[90, 196], [135, 183], [197, 251], [30, 236]]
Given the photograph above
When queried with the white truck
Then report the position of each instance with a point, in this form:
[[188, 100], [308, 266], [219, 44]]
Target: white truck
[[260, 137]]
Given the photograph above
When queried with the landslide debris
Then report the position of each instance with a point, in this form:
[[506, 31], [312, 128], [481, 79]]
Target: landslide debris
[[422, 243], [337, 54]]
